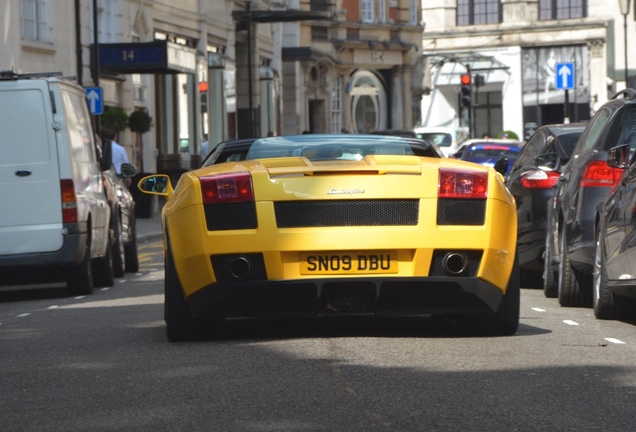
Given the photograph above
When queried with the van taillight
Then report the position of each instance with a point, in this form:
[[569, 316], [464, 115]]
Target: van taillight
[[69, 202], [598, 173], [227, 188], [539, 179], [462, 184]]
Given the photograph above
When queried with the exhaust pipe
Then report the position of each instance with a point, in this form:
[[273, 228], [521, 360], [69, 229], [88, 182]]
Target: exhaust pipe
[[455, 263], [240, 267]]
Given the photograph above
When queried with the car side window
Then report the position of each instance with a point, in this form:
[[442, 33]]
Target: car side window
[[628, 129], [592, 132], [532, 148]]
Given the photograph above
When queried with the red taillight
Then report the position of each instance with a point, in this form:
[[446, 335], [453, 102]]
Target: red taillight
[[539, 179], [69, 202], [598, 173], [227, 188], [462, 184]]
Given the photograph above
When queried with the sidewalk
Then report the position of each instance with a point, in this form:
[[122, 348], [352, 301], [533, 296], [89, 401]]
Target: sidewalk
[[149, 229]]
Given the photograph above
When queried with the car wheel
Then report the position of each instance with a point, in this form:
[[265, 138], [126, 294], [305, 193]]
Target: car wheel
[[550, 288], [103, 268], [503, 322], [132, 257], [573, 289], [118, 247], [79, 278], [179, 323], [603, 301], [506, 319], [531, 278]]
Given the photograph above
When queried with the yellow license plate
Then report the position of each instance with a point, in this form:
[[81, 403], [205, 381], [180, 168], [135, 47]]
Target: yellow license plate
[[335, 263]]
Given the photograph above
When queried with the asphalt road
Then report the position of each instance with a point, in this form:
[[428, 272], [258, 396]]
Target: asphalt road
[[102, 363]]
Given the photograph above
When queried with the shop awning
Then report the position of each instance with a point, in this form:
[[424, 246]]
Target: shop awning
[[156, 57], [475, 62]]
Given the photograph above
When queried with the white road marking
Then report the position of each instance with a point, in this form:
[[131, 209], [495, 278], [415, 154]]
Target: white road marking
[[53, 307], [24, 314], [123, 281], [570, 322], [79, 297], [538, 310], [105, 289], [128, 301], [615, 341]]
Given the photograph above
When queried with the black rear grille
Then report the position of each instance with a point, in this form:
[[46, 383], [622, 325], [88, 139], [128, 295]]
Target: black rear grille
[[454, 211], [230, 216], [298, 214]]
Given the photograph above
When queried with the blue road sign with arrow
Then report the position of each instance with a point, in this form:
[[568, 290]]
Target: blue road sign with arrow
[[95, 96], [564, 76]]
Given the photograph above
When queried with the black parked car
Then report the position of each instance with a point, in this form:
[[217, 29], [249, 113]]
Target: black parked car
[[123, 224], [531, 179], [585, 181], [614, 279]]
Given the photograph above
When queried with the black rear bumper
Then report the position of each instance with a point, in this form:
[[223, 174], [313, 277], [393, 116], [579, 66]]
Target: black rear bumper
[[346, 296]]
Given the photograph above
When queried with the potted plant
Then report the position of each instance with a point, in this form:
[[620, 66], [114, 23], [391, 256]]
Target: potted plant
[[115, 118], [140, 122]]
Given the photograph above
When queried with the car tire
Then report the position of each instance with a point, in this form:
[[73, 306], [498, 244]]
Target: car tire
[[131, 253], [180, 326], [503, 322], [573, 289], [506, 319], [603, 300], [531, 278], [119, 260], [550, 273], [79, 278], [103, 268]]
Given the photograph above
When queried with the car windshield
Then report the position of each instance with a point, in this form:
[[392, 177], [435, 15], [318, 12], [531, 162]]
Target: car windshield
[[489, 152], [442, 139], [328, 147]]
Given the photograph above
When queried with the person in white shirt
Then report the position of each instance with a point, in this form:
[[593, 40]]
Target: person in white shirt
[[118, 151]]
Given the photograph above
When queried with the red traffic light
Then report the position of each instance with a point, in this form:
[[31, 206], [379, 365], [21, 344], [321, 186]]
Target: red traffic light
[[465, 79], [203, 86]]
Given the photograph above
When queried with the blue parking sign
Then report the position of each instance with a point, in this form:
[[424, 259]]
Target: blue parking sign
[[564, 76], [95, 96]]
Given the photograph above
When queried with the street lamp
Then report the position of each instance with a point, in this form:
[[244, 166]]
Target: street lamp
[[624, 5], [248, 4]]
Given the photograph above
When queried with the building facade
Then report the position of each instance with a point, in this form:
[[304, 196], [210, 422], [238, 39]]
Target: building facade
[[530, 57], [225, 69]]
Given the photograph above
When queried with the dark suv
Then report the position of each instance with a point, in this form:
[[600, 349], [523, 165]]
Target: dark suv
[[584, 182]]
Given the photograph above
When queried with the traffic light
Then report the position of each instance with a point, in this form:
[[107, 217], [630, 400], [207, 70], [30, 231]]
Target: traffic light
[[466, 93]]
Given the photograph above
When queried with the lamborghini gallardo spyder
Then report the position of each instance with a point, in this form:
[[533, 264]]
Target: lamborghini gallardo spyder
[[320, 225]]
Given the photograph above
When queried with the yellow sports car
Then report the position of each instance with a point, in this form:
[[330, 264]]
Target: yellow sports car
[[318, 225]]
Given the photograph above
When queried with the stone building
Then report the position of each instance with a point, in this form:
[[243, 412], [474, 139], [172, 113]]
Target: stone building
[[530, 55], [223, 69]]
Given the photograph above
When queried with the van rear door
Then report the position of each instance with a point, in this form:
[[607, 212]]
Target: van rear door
[[30, 197]]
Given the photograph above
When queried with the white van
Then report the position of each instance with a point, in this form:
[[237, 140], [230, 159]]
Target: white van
[[55, 215], [446, 138]]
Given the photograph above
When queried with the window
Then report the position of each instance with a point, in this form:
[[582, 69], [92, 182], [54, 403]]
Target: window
[[414, 6], [336, 105], [319, 34], [562, 9], [382, 11], [472, 12], [366, 11], [33, 20]]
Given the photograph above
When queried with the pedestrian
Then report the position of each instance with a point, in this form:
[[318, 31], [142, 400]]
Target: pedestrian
[[204, 146], [119, 155]]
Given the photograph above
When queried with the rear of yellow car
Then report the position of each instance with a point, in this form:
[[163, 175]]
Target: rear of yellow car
[[386, 235]]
